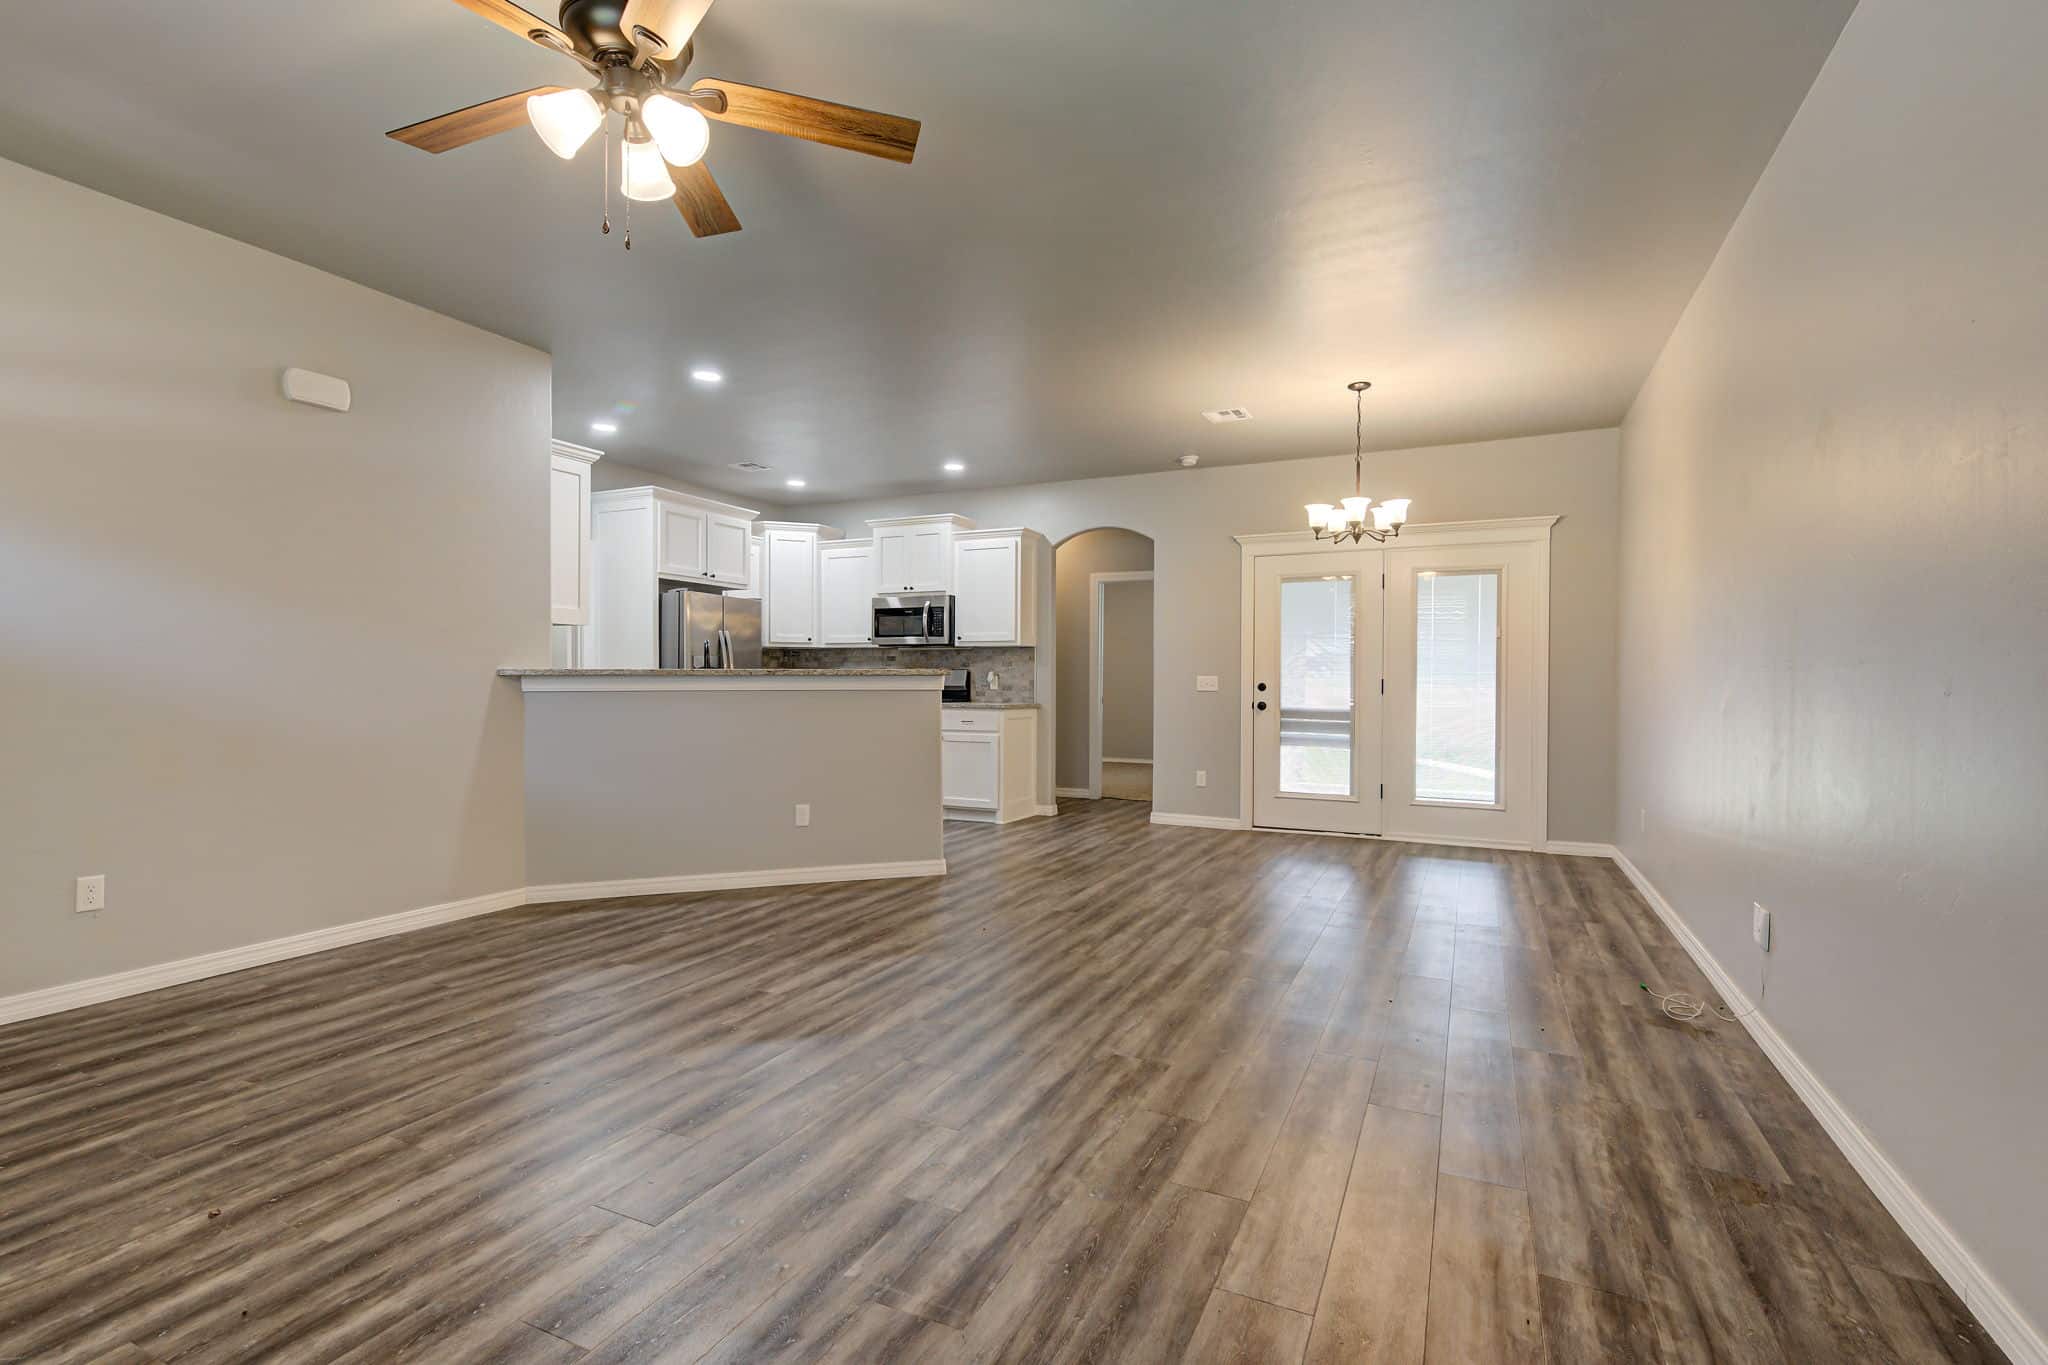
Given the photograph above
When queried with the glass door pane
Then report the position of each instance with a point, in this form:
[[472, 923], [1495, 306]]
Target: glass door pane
[[1317, 692], [1457, 687]]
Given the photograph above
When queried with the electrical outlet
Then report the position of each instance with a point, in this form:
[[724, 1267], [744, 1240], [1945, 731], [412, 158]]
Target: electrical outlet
[[803, 816], [1205, 682], [92, 895], [1760, 926], [1201, 777]]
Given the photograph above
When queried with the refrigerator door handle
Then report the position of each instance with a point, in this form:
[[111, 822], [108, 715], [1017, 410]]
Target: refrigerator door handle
[[725, 649]]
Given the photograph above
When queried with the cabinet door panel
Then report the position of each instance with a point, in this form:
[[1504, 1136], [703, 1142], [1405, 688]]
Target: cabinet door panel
[[970, 770], [792, 600], [681, 541], [985, 591], [892, 561], [569, 543], [928, 567], [846, 592], [725, 548]]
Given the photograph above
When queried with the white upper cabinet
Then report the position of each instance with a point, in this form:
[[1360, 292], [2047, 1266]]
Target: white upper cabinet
[[752, 587], [642, 538], [569, 534], [790, 582], [995, 587], [681, 538], [846, 591], [726, 541], [915, 554]]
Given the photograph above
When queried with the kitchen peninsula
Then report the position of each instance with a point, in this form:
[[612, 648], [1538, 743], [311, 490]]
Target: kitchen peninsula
[[647, 781]]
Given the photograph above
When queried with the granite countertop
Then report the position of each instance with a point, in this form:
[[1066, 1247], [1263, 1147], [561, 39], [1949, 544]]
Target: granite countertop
[[989, 705], [721, 672]]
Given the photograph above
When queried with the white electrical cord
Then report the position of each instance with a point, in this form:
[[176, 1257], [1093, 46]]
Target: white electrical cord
[[1686, 1008]]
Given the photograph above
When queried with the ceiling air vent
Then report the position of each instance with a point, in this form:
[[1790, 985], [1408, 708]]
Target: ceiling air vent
[[1220, 415], [751, 466]]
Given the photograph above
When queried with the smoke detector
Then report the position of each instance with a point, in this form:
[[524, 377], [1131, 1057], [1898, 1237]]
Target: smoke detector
[[1190, 461], [751, 466], [1221, 415]]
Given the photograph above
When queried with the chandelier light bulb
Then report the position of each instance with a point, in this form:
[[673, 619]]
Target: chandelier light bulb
[[565, 120], [679, 130], [646, 175]]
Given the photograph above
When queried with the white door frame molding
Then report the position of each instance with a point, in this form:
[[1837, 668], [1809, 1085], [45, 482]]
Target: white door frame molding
[[1534, 531], [1096, 583]]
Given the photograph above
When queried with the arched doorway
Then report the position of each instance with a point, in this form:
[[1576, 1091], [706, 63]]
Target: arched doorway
[[1102, 588]]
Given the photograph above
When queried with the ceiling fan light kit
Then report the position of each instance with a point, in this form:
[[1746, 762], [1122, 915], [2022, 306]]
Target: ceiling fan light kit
[[638, 52], [1344, 521]]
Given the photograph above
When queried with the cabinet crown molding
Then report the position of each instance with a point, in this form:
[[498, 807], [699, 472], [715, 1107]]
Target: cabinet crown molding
[[628, 497], [569, 450], [957, 522]]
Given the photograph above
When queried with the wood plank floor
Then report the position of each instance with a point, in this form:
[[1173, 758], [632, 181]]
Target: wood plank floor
[[1110, 1091]]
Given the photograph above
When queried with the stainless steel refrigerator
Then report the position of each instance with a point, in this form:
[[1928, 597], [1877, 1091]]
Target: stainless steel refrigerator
[[709, 630]]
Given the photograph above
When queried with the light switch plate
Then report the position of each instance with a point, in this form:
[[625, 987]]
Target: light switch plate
[[1205, 682], [1760, 926], [1201, 777], [803, 816]]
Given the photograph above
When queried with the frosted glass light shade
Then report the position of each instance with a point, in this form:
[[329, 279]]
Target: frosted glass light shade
[[1335, 521], [565, 119], [1382, 518], [1354, 510], [1396, 510], [1319, 514], [679, 130], [646, 175]]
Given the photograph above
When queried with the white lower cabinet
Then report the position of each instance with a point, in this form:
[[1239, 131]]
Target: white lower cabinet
[[988, 764]]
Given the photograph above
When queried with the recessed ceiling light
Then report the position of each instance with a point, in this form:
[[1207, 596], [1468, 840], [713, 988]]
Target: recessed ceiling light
[[707, 376], [604, 428], [792, 483], [954, 467]]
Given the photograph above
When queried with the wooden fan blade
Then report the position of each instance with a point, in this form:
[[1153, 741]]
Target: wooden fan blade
[[835, 125], [673, 20], [513, 19], [702, 202], [465, 126]]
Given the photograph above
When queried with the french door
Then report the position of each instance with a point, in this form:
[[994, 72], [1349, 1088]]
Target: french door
[[1315, 696]]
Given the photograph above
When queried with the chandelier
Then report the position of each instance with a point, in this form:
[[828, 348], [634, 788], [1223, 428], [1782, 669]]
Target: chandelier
[[1345, 520]]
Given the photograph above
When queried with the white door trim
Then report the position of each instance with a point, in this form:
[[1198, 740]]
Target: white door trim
[[1096, 583], [1504, 531]]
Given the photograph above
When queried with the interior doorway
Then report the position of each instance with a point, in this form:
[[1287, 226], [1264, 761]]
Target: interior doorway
[[1120, 662], [1104, 705]]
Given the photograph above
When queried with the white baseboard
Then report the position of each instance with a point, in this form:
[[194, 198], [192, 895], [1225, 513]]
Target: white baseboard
[[733, 881], [1574, 849], [1167, 817], [1146, 762], [75, 994], [1980, 1291], [1074, 793], [1048, 810]]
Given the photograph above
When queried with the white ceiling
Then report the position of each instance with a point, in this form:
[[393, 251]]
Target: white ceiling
[[1122, 212]]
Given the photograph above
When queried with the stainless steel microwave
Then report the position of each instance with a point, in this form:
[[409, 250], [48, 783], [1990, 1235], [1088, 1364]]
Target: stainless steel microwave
[[913, 618]]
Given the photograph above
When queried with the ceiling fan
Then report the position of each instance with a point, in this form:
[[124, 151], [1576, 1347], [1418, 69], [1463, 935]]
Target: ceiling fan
[[638, 51]]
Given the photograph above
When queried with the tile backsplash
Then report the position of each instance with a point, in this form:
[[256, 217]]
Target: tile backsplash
[[1012, 665]]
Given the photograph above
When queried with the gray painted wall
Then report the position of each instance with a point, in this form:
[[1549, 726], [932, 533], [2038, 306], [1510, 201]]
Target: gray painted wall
[[664, 784], [246, 647], [1106, 549], [1834, 640], [1191, 516], [1127, 670]]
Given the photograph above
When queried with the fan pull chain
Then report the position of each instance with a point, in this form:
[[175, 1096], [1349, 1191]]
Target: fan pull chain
[[629, 222], [607, 175]]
